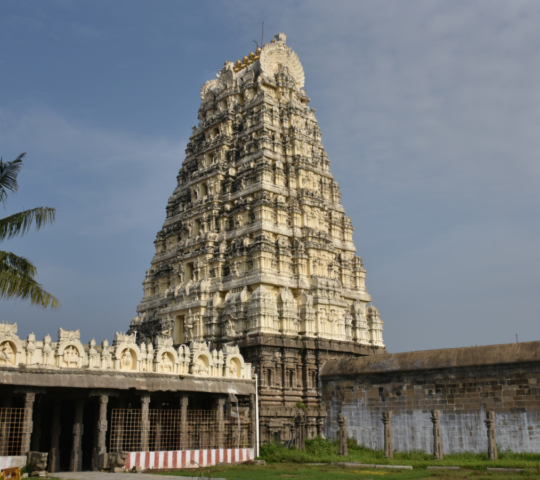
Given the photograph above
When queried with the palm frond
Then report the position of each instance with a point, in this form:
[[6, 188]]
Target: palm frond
[[20, 223], [8, 176], [13, 286], [9, 262]]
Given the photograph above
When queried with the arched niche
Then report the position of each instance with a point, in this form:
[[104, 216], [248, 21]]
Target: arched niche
[[201, 364], [70, 354], [234, 365], [127, 357], [167, 360], [8, 353]]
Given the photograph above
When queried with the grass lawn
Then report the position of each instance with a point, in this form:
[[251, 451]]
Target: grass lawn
[[319, 450], [283, 463], [284, 471]]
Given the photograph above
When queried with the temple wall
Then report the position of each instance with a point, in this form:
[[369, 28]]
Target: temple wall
[[462, 383]]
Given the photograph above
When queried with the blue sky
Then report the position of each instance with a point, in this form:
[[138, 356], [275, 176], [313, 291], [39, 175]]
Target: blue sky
[[429, 110]]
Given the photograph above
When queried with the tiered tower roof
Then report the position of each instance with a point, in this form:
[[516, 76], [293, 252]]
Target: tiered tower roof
[[256, 241]]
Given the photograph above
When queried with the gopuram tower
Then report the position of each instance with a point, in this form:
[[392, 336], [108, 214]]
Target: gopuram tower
[[256, 250]]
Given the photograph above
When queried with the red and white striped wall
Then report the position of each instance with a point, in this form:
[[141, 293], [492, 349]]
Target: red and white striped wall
[[188, 458]]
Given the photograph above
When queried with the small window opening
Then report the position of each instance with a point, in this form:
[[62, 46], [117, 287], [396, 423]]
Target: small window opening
[[189, 271], [179, 330]]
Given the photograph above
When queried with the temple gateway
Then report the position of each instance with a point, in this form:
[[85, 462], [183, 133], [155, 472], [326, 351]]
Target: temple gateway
[[256, 250]]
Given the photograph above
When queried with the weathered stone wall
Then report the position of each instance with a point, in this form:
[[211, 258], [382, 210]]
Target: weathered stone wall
[[463, 383]]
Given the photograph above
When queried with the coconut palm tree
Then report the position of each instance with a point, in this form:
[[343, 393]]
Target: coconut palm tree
[[17, 273]]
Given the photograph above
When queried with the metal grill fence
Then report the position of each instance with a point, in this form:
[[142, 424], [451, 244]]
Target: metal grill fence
[[166, 430], [15, 426]]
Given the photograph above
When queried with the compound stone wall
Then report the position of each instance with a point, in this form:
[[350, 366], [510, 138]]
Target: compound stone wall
[[462, 383]]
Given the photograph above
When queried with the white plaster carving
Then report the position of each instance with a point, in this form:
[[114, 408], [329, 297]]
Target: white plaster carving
[[69, 349], [159, 356], [8, 353], [277, 55]]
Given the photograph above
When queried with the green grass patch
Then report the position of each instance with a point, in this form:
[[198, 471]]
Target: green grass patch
[[297, 471], [323, 451], [284, 463]]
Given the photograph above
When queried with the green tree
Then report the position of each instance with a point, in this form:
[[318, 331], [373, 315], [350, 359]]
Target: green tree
[[17, 273]]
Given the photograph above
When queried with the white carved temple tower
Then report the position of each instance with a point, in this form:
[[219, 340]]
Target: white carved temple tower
[[256, 250]]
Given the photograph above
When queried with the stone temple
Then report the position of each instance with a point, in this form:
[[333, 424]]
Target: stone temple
[[256, 250]]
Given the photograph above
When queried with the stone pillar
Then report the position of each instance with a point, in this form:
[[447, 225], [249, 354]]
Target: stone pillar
[[4, 435], [300, 428], [220, 404], [184, 427], [95, 466], [159, 430], [292, 431], [145, 423], [437, 438], [102, 425], [75, 464], [388, 445], [54, 453], [320, 427], [343, 435], [29, 399], [492, 435], [36, 437], [4, 427], [253, 418], [118, 444]]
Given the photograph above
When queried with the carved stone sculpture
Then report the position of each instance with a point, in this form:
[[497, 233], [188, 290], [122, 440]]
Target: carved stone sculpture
[[167, 366], [113, 461], [38, 463], [126, 363], [7, 354]]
